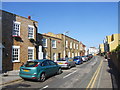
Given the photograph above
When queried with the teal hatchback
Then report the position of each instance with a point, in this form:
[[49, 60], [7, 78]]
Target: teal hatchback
[[39, 69]]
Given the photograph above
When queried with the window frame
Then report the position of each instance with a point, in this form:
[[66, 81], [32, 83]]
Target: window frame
[[32, 48], [45, 42], [71, 45], [19, 23], [16, 47], [31, 26], [74, 45], [66, 42], [54, 44]]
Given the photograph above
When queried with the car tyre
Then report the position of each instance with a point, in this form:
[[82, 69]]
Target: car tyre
[[59, 71], [69, 66], [42, 77]]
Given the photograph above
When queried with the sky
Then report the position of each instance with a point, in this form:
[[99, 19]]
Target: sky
[[88, 22]]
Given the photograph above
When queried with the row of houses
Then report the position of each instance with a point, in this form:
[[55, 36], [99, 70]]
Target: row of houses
[[110, 43], [21, 42], [93, 50]]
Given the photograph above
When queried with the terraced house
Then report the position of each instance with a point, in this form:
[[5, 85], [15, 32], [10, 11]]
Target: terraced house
[[58, 46], [19, 40], [70, 46], [52, 45]]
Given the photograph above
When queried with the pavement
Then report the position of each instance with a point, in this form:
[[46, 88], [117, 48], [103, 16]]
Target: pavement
[[105, 79], [9, 77]]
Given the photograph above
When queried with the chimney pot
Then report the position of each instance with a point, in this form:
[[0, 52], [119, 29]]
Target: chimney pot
[[29, 17]]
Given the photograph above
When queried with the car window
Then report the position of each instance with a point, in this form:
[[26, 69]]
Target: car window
[[61, 60], [52, 63], [70, 60], [45, 63], [31, 64], [75, 57]]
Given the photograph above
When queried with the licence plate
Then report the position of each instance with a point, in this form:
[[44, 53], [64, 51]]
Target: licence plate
[[26, 70], [60, 63]]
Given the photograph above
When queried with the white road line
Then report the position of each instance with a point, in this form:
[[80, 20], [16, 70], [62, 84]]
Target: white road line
[[44, 87], [69, 74]]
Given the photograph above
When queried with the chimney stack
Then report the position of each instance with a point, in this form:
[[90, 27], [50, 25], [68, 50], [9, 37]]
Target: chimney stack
[[29, 17]]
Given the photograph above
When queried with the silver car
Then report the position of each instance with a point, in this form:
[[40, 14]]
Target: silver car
[[66, 63]]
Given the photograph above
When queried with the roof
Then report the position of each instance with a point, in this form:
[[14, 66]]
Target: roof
[[18, 15]]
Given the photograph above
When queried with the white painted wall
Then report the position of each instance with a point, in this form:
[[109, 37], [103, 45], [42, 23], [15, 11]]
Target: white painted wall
[[40, 53]]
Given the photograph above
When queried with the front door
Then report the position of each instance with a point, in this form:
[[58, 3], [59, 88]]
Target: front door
[[59, 55]]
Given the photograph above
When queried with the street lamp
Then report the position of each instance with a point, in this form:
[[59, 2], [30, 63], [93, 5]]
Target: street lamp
[[65, 43]]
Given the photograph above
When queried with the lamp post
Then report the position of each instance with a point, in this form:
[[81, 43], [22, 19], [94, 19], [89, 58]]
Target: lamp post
[[65, 43]]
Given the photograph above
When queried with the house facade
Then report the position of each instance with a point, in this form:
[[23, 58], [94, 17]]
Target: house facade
[[101, 48], [111, 42], [93, 50], [58, 46], [19, 40], [51, 46], [82, 49]]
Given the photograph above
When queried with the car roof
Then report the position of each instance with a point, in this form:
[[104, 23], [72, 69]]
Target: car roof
[[38, 60]]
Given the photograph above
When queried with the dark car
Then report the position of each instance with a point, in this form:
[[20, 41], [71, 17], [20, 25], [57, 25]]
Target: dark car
[[78, 60], [89, 56], [39, 69]]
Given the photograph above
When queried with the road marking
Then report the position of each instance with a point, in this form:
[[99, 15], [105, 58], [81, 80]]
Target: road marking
[[100, 78], [44, 87], [69, 74], [92, 80], [95, 77]]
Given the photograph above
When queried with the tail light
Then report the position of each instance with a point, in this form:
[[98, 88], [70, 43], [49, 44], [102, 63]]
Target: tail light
[[36, 65], [66, 63]]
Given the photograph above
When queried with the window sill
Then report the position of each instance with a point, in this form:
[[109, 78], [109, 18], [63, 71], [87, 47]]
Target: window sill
[[16, 61], [54, 47]]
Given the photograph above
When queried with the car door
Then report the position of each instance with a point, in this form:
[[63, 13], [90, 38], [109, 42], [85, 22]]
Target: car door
[[53, 66], [46, 67]]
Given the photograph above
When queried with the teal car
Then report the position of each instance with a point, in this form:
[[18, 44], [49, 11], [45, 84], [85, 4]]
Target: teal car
[[39, 69]]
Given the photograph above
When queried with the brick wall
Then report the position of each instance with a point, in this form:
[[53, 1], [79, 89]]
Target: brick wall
[[8, 41]]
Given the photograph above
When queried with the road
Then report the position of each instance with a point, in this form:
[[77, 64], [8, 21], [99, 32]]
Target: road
[[86, 75]]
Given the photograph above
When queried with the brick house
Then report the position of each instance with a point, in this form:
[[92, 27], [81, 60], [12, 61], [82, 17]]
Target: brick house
[[19, 40], [64, 46], [70, 46], [82, 49], [52, 46]]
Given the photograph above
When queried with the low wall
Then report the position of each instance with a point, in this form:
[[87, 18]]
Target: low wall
[[115, 57]]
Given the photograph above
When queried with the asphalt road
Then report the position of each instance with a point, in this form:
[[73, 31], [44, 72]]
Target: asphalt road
[[76, 77]]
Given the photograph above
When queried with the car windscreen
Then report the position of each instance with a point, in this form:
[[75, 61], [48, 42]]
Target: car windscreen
[[31, 64], [76, 58], [61, 60]]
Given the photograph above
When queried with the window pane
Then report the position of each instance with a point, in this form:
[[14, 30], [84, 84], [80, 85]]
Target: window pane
[[16, 29], [30, 54]]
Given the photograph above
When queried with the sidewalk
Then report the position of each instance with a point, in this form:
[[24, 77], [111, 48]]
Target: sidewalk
[[105, 80], [11, 76], [109, 77]]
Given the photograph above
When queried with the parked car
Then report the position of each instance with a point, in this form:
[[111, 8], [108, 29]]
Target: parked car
[[89, 56], [84, 58], [39, 69], [66, 62], [78, 60]]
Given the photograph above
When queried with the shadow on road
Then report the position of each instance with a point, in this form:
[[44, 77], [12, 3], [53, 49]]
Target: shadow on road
[[115, 75]]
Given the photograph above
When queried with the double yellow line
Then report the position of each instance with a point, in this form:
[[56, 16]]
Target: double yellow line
[[92, 81]]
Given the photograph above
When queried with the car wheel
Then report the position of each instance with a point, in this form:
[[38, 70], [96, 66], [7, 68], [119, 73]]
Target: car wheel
[[42, 77], [59, 71], [24, 79], [75, 65], [69, 66]]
